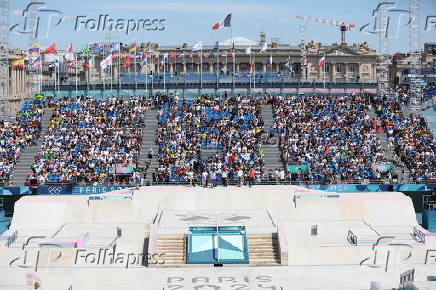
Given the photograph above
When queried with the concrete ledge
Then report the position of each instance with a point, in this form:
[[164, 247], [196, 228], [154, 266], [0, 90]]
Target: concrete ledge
[[152, 240], [283, 244]]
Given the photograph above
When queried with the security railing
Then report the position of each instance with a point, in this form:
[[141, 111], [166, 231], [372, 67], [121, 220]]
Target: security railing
[[11, 239], [256, 182]]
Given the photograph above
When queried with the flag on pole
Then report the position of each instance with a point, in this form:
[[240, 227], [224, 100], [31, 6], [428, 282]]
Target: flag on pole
[[72, 63], [226, 23], [126, 62], [163, 60], [36, 62], [250, 66], [35, 48], [91, 62], [50, 49], [288, 64], [198, 46], [248, 50], [264, 47], [182, 55], [106, 62], [145, 61], [270, 61], [17, 63], [54, 63], [70, 48], [115, 47], [132, 48], [321, 62], [85, 49], [173, 56], [98, 47], [214, 48], [228, 20]]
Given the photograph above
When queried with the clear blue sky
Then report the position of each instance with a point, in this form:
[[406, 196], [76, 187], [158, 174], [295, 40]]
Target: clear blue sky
[[190, 21]]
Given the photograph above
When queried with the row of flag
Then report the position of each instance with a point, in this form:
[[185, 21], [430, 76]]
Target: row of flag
[[116, 48], [108, 61]]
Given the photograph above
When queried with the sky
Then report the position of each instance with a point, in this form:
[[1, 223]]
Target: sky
[[188, 21]]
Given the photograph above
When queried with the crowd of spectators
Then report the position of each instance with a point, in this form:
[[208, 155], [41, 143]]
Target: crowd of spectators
[[218, 140], [88, 139], [16, 135], [230, 126], [411, 137], [332, 137], [402, 93]]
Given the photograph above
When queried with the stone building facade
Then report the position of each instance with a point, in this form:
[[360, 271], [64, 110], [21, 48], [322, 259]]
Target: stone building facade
[[342, 63]]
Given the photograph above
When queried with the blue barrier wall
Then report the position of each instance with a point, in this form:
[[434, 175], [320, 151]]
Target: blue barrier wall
[[373, 187], [84, 190], [23, 190], [54, 190], [429, 219]]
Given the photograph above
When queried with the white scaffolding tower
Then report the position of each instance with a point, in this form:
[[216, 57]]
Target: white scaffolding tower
[[303, 48], [4, 58], [33, 73], [415, 56], [384, 56]]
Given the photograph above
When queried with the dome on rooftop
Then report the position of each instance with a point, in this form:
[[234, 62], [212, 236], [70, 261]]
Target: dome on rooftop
[[238, 41]]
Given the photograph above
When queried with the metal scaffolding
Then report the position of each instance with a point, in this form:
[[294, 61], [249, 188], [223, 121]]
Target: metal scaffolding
[[384, 56], [33, 73], [4, 58], [303, 47], [415, 56]]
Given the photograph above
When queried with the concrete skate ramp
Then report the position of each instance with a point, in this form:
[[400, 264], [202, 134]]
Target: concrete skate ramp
[[47, 212], [368, 215], [378, 209]]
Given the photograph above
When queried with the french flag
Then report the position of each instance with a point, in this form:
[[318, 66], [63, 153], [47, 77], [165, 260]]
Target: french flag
[[321, 62], [226, 23]]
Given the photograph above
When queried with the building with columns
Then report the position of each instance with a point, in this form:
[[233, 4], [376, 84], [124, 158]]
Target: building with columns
[[18, 85], [343, 63]]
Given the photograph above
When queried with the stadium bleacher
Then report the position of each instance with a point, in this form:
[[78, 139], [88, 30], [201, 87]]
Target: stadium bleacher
[[88, 140], [413, 140], [16, 135], [232, 126], [330, 137], [322, 139]]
